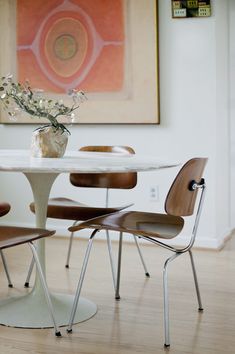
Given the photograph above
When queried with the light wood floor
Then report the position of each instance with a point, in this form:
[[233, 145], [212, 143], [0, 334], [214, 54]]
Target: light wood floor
[[135, 324]]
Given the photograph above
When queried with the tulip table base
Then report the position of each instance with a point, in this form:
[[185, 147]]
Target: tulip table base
[[30, 311]]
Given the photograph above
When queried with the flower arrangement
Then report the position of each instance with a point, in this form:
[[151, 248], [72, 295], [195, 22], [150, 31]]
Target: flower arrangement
[[17, 97]]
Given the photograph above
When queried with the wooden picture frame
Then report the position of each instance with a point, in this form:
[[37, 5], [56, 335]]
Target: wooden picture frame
[[128, 90]]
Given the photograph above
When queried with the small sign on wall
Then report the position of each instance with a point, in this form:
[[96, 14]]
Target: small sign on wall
[[191, 8]]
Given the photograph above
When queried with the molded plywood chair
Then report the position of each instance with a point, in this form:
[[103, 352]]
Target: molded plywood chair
[[64, 208], [156, 228], [4, 209], [11, 236]]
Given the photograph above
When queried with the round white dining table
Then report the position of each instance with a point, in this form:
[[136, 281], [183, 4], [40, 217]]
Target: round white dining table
[[30, 310]]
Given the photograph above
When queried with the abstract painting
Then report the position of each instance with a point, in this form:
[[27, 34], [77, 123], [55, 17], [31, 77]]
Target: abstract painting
[[107, 48]]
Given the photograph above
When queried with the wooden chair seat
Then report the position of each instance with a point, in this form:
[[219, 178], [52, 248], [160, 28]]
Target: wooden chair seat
[[138, 223], [68, 209], [12, 235]]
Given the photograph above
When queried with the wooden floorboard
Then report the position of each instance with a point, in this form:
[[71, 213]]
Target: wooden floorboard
[[134, 324]]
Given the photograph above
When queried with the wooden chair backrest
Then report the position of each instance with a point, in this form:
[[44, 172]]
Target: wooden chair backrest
[[126, 180], [180, 200]]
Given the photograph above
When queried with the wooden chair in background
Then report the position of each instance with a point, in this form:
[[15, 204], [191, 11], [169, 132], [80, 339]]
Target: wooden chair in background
[[68, 209]]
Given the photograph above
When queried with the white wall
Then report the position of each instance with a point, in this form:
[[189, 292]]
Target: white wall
[[232, 103], [194, 122], [222, 168]]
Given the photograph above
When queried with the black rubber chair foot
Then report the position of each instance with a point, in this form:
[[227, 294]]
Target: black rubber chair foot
[[26, 285], [118, 297], [10, 286], [69, 330], [58, 334], [66, 266], [200, 309], [147, 275], [166, 345]]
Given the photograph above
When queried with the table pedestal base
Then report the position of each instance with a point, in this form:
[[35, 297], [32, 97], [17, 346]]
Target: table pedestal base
[[31, 311]]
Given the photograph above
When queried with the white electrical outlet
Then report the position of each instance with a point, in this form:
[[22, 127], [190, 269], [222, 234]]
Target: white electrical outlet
[[154, 194]]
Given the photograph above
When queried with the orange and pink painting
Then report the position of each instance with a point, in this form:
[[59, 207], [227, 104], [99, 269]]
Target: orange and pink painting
[[107, 48], [64, 44]]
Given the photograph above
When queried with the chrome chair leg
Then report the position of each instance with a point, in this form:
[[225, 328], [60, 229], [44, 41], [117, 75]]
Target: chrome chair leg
[[141, 256], [166, 300], [79, 287], [109, 249], [70, 245], [117, 293], [200, 308], [26, 284], [6, 269], [69, 250], [113, 270], [45, 288]]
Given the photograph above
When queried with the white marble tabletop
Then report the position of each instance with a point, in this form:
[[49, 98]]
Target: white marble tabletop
[[80, 161]]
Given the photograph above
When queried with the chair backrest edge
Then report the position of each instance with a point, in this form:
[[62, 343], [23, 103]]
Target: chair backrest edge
[[181, 199], [126, 180]]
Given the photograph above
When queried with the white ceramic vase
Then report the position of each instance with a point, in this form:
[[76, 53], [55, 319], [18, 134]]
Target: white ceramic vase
[[48, 142]]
